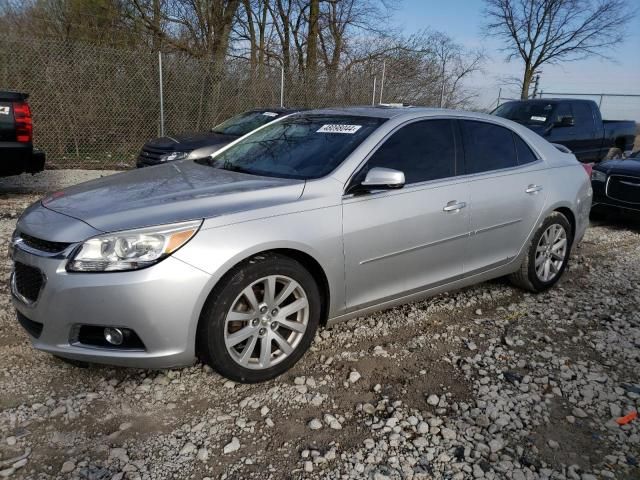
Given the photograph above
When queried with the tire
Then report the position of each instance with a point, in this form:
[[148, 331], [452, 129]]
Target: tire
[[264, 319], [527, 277]]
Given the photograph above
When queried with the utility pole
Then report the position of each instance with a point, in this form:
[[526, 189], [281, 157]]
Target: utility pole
[[384, 67], [444, 65], [536, 86], [373, 99]]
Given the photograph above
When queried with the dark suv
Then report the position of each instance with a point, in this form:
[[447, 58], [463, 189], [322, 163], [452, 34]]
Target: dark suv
[[201, 145]]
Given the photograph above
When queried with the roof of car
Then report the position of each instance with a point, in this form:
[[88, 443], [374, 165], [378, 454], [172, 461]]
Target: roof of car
[[551, 100], [278, 110], [378, 111]]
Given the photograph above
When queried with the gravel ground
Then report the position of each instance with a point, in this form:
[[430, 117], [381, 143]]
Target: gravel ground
[[488, 382], [48, 180]]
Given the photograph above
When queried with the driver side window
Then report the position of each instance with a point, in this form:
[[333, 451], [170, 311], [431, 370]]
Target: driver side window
[[423, 151]]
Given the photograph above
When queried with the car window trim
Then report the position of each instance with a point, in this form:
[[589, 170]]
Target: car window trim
[[363, 163]]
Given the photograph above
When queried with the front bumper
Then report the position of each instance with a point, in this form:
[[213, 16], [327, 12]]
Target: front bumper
[[161, 304]]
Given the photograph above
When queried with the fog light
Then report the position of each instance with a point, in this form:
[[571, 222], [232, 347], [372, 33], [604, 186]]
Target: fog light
[[113, 335]]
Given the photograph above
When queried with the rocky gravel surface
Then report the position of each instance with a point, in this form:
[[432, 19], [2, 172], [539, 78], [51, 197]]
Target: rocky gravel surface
[[488, 382]]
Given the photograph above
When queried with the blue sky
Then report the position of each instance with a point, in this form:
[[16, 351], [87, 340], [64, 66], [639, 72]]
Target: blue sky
[[463, 19]]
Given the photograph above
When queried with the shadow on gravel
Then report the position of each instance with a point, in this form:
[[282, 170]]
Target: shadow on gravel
[[616, 219]]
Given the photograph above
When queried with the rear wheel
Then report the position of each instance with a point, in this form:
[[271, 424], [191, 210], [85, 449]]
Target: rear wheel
[[260, 320], [547, 255]]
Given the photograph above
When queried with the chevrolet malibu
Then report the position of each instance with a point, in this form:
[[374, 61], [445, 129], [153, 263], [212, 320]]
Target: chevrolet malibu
[[321, 216]]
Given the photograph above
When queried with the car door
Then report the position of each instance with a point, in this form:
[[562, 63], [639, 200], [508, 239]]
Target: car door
[[507, 193], [588, 140], [400, 241], [564, 134]]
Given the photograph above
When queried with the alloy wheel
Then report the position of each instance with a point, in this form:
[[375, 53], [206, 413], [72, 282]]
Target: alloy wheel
[[551, 252], [266, 322]]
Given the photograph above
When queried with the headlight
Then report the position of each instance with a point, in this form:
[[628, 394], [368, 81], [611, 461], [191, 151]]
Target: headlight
[[598, 176], [170, 157], [132, 249]]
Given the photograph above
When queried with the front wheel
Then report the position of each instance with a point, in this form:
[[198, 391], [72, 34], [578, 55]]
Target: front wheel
[[260, 320], [547, 255]]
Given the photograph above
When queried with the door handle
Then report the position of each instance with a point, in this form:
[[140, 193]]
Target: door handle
[[533, 189], [453, 206]]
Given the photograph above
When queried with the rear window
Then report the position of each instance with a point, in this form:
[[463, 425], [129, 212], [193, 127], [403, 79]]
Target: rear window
[[526, 113], [302, 146]]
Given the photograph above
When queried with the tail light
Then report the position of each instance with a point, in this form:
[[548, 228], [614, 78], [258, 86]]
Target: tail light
[[588, 167], [24, 124]]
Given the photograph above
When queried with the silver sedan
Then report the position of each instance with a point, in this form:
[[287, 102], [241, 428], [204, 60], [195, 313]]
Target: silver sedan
[[321, 216]]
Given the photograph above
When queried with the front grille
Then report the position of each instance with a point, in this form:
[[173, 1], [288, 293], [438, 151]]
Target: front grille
[[33, 328], [42, 245], [624, 189], [28, 281]]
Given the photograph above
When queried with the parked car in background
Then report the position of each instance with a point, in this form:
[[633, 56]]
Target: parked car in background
[[200, 145], [323, 216], [17, 154], [576, 124], [616, 183]]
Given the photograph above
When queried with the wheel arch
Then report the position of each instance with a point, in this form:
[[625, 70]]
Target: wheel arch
[[305, 258], [568, 213]]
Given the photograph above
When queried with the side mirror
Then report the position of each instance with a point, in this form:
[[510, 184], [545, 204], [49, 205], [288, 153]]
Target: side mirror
[[379, 178], [565, 121]]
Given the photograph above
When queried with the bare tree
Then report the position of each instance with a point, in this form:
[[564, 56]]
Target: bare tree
[[201, 28], [548, 31]]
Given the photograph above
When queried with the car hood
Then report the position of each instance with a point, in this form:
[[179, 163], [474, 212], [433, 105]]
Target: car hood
[[188, 142], [620, 167], [169, 193]]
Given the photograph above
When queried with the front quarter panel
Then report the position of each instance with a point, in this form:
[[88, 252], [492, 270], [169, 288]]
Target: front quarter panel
[[314, 228]]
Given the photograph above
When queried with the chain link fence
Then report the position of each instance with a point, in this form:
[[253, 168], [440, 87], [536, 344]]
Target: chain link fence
[[95, 107]]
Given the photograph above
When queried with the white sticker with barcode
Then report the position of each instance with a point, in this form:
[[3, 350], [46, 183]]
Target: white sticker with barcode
[[337, 128], [538, 119], [5, 110], [270, 114]]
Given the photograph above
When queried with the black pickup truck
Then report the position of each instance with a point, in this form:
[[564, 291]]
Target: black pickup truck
[[576, 124], [17, 154]]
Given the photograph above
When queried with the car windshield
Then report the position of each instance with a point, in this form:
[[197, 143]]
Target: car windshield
[[302, 146], [245, 123], [526, 113]]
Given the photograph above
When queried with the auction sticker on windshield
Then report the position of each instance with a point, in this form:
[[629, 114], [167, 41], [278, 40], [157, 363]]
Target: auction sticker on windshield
[[336, 128], [270, 114], [538, 119]]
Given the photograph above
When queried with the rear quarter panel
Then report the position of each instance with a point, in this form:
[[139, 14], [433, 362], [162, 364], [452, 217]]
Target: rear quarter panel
[[570, 187]]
